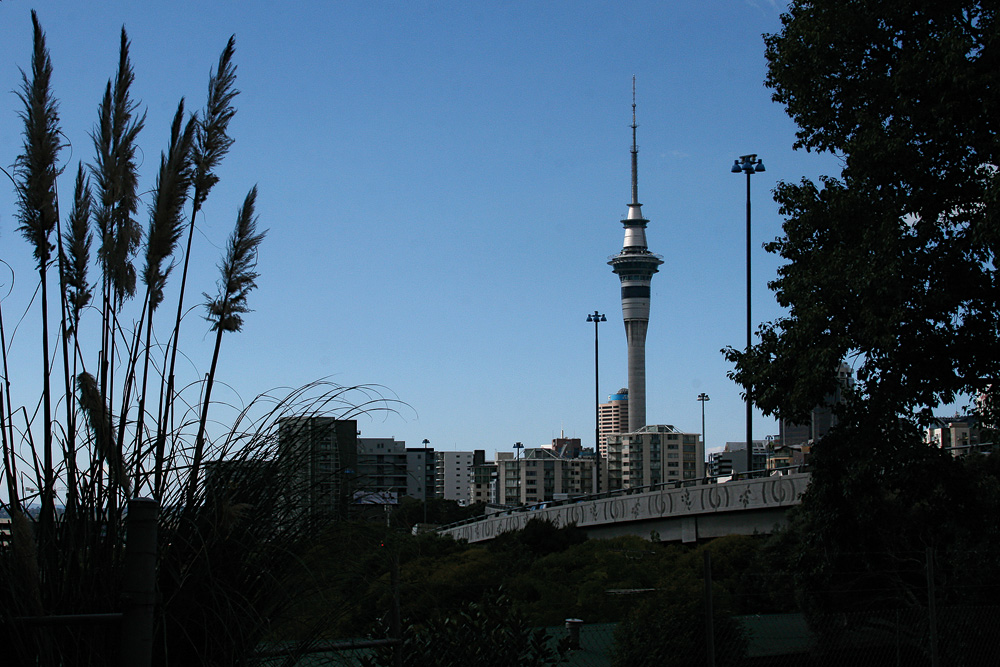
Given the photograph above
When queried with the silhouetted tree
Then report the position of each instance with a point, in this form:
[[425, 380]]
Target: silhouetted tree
[[893, 263]]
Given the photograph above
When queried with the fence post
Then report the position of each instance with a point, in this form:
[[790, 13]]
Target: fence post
[[395, 619], [709, 624], [139, 583], [932, 609], [573, 633]]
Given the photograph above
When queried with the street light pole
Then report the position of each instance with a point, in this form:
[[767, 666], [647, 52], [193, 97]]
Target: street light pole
[[702, 398], [597, 318], [425, 443], [517, 448], [748, 164]]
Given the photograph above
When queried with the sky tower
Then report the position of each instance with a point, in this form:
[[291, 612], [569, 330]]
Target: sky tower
[[635, 267]]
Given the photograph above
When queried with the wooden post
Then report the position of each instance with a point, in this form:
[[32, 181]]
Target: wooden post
[[139, 583], [709, 613]]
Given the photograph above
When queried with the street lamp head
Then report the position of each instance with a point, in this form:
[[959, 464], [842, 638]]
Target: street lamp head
[[748, 164], [426, 442], [703, 397]]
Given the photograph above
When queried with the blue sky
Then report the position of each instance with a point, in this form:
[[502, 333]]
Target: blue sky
[[443, 183]]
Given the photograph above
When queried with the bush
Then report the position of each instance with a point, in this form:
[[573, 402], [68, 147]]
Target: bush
[[489, 633]]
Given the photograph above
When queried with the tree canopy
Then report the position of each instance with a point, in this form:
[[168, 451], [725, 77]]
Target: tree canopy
[[892, 264]]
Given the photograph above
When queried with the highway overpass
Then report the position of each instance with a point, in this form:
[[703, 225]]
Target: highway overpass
[[675, 512]]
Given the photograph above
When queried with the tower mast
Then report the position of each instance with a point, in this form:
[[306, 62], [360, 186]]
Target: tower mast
[[635, 153], [635, 267]]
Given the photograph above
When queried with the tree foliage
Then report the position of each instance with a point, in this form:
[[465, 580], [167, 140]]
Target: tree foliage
[[890, 264], [893, 263], [548, 581], [859, 540]]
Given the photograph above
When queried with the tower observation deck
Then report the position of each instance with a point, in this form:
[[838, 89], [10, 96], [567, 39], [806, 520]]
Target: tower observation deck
[[635, 267]]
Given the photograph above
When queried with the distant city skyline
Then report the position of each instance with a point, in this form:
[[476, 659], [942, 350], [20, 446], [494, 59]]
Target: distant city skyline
[[443, 184]]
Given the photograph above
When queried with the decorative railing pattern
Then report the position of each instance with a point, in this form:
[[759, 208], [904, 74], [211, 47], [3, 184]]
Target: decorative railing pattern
[[778, 491]]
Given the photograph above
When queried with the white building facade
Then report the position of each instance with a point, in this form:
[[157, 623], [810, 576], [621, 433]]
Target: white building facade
[[454, 474], [653, 455]]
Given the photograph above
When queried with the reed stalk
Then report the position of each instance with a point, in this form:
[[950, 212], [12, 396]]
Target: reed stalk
[[36, 171], [165, 228], [212, 142], [225, 310], [74, 256]]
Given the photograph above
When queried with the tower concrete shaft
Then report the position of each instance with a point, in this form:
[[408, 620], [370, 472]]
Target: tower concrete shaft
[[635, 267]]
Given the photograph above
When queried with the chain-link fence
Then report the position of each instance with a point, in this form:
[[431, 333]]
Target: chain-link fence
[[965, 636]]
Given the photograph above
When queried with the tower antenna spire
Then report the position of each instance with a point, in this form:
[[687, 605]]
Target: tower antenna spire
[[635, 153]]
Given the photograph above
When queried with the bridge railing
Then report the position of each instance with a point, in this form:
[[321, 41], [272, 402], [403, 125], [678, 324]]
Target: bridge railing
[[506, 510]]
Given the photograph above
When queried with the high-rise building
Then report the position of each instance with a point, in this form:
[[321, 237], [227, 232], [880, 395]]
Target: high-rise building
[[540, 475], [733, 459], [484, 483], [821, 418], [614, 418], [454, 474], [652, 455], [317, 456], [381, 474], [635, 267], [420, 472]]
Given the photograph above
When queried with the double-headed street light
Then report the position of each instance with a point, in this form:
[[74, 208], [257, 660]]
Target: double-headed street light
[[748, 164], [597, 318], [702, 398]]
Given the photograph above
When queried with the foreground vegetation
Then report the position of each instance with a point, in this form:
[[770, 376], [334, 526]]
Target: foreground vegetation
[[114, 421]]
